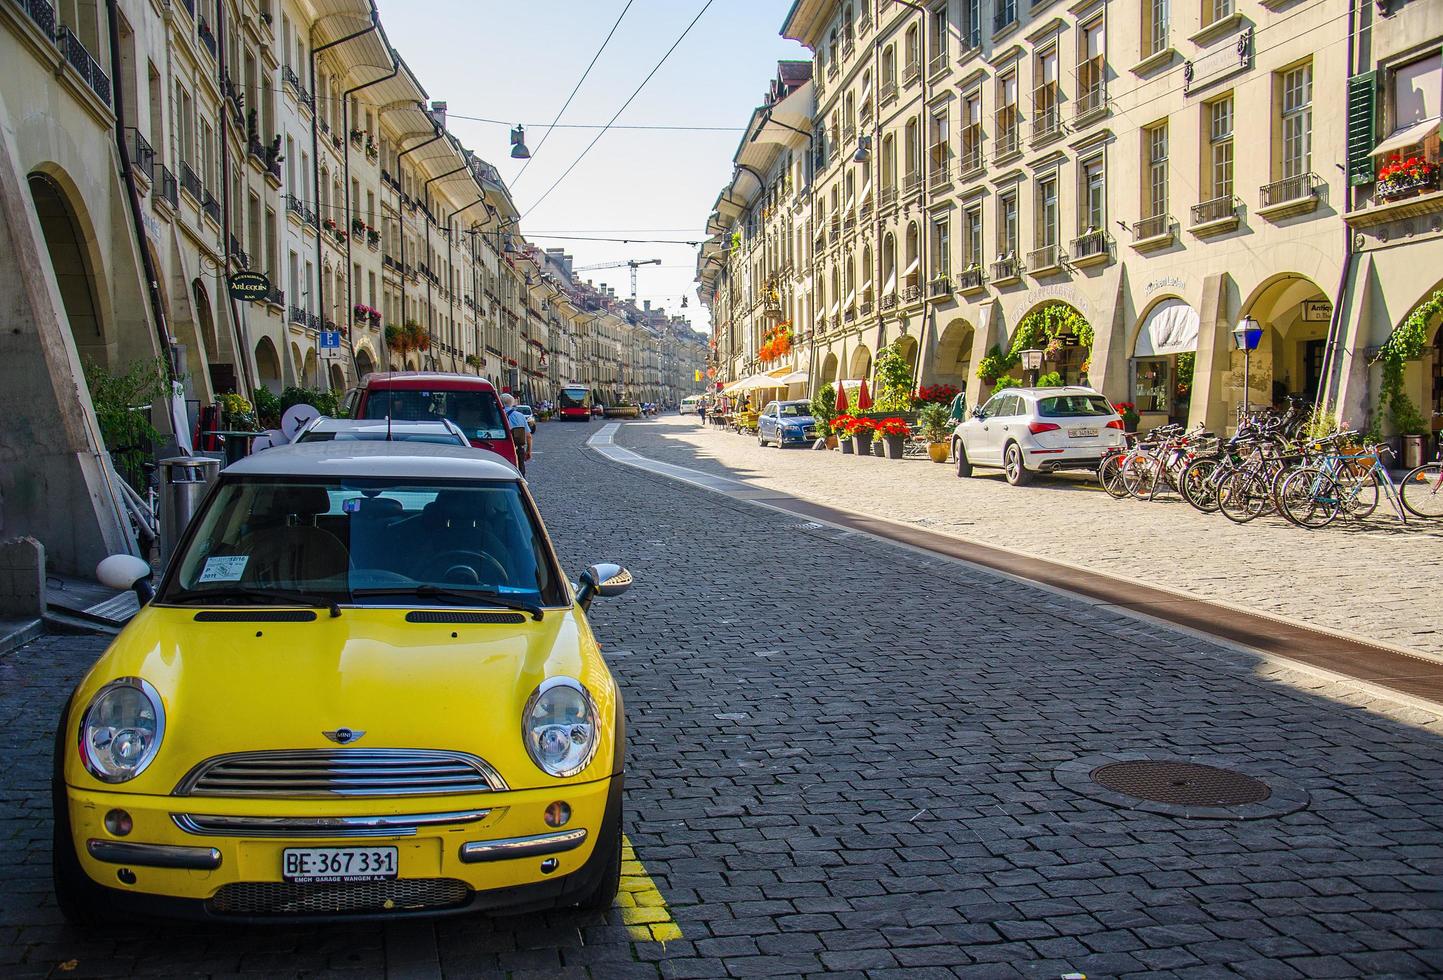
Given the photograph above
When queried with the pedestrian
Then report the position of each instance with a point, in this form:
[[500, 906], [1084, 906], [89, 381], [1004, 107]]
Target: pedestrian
[[520, 430], [701, 413]]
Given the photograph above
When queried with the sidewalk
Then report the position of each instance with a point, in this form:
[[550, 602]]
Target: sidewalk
[[1377, 581]]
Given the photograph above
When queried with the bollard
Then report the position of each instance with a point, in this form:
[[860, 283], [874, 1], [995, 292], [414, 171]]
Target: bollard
[[183, 483]]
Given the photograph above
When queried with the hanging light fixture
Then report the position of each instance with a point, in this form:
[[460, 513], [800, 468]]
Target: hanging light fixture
[[518, 144], [864, 149]]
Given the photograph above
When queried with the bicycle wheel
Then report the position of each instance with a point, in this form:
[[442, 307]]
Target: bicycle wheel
[[1422, 490], [1198, 486], [1359, 491], [1309, 498], [1140, 475], [1109, 474], [1243, 497]]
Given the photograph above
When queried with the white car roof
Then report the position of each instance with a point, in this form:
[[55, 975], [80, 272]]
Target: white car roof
[[1045, 392], [325, 424], [421, 460]]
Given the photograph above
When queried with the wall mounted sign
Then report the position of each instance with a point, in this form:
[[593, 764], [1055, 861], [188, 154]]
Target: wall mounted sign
[[1317, 310], [248, 286], [1223, 61]]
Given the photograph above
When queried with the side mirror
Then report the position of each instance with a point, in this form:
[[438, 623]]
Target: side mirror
[[126, 572], [605, 579], [977, 412]]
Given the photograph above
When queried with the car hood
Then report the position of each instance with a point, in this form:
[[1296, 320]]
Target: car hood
[[247, 686], [798, 420]]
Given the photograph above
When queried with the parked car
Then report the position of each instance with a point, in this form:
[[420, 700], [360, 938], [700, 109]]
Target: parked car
[[1037, 430], [469, 401], [363, 688], [323, 429], [530, 415], [786, 423]]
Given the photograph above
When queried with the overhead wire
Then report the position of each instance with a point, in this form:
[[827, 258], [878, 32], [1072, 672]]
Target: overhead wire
[[675, 44], [579, 82]]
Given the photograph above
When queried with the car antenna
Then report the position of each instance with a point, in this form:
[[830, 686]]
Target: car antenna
[[390, 394]]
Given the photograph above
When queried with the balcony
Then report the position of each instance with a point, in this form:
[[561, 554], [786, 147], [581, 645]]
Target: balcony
[[1044, 260], [210, 206], [1046, 125], [1215, 217], [275, 296], [296, 315], [911, 292], [205, 34], [911, 184], [849, 134], [821, 241], [1007, 269], [1289, 196], [940, 286], [1091, 248], [142, 156], [849, 223], [971, 279], [1399, 196], [832, 71], [1153, 233], [938, 65], [835, 227], [941, 175], [887, 92], [42, 13], [166, 188], [864, 26], [85, 66], [1091, 94], [864, 214], [1005, 145], [238, 254], [889, 301], [969, 161], [911, 73], [190, 182]]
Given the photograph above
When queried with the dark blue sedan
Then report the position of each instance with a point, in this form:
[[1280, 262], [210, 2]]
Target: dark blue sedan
[[786, 423]]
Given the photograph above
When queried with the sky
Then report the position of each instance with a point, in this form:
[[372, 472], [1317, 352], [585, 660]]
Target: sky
[[518, 61]]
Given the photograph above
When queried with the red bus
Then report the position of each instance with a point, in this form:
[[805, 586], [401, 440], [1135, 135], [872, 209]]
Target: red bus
[[574, 402], [469, 401]]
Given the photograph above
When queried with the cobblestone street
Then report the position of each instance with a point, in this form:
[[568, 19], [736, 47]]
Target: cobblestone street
[[847, 756], [1377, 580]]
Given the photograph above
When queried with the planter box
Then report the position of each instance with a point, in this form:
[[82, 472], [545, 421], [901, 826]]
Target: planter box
[[845, 445], [893, 445], [861, 445]]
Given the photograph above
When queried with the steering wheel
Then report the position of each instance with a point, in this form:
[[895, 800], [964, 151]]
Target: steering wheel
[[465, 564]]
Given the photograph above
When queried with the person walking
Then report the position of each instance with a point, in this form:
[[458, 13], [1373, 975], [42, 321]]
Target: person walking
[[520, 430], [701, 413]]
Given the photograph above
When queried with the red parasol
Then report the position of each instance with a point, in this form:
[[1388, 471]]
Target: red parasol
[[864, 398], [841, 398]]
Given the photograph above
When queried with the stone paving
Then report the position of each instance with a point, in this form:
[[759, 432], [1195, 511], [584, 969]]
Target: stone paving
[[1376, 580], [844, 757]]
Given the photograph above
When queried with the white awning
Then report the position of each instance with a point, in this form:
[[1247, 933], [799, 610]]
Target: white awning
[[851, 298], [793, 378], [1170, 328], [1406, 137], [888, 289], [914, 265]]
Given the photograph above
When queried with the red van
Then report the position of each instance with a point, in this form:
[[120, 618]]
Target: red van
[[415, 396]]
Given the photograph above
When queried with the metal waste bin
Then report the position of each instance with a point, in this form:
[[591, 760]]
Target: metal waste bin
[[1412, 451], [183, 483]]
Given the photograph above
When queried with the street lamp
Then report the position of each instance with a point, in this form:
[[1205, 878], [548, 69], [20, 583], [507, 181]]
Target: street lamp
[[1032, 363], [1246, 336], [518, 144]]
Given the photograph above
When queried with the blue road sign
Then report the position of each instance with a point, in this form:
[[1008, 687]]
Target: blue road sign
[[330, 339]]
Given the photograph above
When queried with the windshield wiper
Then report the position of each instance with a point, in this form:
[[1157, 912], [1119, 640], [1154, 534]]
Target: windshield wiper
[[263, 597], [485, 597]]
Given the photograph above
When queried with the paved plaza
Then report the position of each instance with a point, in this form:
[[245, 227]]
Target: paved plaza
[[1377, 580], [849, 757]]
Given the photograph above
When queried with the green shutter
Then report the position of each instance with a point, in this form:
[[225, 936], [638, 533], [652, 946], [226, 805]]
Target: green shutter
[[1362, 124]]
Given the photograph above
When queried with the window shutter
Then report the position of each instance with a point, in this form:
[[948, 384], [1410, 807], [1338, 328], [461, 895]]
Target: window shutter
[[1362, 125]]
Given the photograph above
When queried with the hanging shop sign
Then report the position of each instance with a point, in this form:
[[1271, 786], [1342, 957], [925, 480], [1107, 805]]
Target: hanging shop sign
[[248, 286]]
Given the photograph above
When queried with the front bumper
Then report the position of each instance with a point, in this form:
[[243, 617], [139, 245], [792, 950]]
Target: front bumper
[[208, 858]]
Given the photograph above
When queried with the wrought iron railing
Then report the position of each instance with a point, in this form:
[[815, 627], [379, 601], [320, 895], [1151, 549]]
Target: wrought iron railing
[[239, 254], [1218, 209], [1045, 257], [888, 91], [1090, 243], [206, 35], [210, 206], [940, 286], [971, 278], [190, 182], [1290, 189], [1007, 267], [941, 174], [911, 72], [142, 155], [85, 66], [165, 186], [42, 13], [1153, 227]]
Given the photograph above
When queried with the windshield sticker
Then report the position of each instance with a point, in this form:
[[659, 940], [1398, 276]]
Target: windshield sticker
[[352, 506], [227, 568]]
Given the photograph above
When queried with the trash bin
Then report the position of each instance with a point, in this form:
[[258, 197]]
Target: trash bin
[[183, 483], [1413, 451]]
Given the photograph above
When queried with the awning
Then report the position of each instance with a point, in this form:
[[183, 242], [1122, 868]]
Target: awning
[[913, 265], [1407, 136], [793, 378], [1170, 328]]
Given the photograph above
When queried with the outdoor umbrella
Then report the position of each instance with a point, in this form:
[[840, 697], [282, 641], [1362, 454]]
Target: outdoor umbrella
[[864, 398], [841, 398]]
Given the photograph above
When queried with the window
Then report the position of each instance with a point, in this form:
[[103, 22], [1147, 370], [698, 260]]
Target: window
[[972, 237], [971, 23], [972, 132], [1156, 15], [889, 71], [1007, 225], [1297, 129], [1045, 232], [939, 150], [939, 38], [1218, 176], [1006, 14], [941, 248], [913, 54], [1007, 113], [1216, 10], [1044, 97], [1092, 213], [1155, 174], [1091, 71]]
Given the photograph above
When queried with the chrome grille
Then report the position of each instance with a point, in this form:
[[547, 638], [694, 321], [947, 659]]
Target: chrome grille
[[341, 772], [339, 898]]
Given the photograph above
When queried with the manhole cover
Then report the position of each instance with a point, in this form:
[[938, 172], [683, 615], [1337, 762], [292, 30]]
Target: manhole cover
[[1181, 783]]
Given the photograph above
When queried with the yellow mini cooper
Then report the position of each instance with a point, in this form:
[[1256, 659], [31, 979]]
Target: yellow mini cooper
[[363, 688]]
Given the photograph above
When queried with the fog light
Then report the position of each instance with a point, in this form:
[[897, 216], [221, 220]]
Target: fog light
[[557, 814], [549, 865], [118, 823]]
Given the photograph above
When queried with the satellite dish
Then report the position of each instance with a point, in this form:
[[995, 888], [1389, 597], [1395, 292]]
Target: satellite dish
[[294, 418], [268, 440]]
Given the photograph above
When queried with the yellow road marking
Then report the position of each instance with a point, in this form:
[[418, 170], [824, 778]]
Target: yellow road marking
[[643, 909]]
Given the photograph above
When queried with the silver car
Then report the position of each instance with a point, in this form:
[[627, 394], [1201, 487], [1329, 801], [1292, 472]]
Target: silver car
[[1037, 430], [323, 429]]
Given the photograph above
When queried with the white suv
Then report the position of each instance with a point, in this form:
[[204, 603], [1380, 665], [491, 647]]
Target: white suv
[[1037, 430]]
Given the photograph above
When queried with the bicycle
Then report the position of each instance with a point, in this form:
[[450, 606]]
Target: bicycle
[[1422, 490], [1342, 483]]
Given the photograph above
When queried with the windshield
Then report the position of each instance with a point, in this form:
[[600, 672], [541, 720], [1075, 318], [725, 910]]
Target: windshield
[[476, 411], [574, 397], [795, 410], [1071, 406], [337, 538], [439, 438]]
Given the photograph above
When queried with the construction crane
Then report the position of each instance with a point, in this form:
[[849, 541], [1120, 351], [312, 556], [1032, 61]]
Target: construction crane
[[633, 264]]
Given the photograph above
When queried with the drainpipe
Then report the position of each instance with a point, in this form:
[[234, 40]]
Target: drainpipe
[[450, 254], [242, 338], [439, 133], [147, 261], [316, 161], [426, 190], [1332, 351]]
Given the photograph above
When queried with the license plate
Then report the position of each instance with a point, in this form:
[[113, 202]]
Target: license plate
[[307, 865], [1081, 433]]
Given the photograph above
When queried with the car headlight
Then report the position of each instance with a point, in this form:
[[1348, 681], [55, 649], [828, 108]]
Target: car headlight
[[559, 727], [121, 730]]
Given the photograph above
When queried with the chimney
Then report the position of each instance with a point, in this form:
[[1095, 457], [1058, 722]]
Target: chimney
[[438, 112], [646, 305]]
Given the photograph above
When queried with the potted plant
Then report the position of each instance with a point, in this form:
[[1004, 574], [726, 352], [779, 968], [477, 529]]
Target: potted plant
[[936, 426], [894, 432], [824, 409], [861, 431], [842, 425], [1130, 418]]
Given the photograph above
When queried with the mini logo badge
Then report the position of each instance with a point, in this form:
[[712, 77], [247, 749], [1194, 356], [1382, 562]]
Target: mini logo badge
[[343, 736]]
